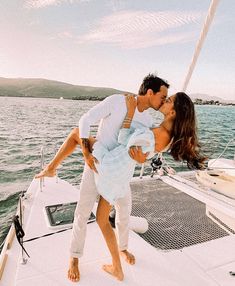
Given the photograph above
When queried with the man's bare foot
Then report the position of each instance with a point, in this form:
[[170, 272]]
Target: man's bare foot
[[116, 272], [129, 257], [73, 272], [47, 172]]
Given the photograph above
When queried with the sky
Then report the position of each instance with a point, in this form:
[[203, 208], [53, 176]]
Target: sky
[[108, 43]]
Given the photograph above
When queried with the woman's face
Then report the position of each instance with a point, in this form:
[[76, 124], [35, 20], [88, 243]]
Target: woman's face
[[157, 99], [168, 106]]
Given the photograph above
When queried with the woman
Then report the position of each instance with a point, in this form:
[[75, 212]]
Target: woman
[[177, 132], [116, 167]]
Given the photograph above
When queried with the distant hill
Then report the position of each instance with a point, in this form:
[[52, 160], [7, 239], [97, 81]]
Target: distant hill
[[207, 97], [29, 87], [22, 87]]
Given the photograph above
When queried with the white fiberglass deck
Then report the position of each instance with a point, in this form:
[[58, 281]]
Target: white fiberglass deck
[[208, 263]]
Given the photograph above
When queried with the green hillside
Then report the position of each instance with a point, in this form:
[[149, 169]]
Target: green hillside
[[22, 87]]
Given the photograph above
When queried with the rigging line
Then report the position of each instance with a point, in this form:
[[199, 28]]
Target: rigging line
[[231, 140], [219, 168], [209, 18], [52, 233], [47, 234], [2, 243]]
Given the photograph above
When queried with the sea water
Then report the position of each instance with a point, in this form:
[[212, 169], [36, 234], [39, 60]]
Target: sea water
[[27, 124]]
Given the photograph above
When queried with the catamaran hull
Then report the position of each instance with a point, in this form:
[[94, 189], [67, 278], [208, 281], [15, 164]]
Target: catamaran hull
[[218, 181]]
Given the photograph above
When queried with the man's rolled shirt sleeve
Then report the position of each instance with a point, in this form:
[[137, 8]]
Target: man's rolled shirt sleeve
[[94, 115]]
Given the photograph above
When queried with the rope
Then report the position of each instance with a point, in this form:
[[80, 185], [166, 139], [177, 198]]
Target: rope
[[19, 233], [52, 233], [231, 140], [209, 18], [47, 234]]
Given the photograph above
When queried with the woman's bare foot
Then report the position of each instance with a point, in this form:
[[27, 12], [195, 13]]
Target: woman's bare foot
[[116, 272], [73, 272], [47, 172], [129, 257]]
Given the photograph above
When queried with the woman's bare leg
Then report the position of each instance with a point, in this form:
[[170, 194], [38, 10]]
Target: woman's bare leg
[[102, 217], [65, 150]]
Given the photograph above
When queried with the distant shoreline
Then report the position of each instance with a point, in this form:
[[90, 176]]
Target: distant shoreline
[[57, 98], [199, 101], [196, 101]]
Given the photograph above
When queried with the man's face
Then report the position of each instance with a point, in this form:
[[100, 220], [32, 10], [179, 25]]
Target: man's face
[[168, 106], [158, 98]]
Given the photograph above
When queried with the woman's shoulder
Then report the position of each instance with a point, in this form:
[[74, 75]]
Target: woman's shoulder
[[162, 139]]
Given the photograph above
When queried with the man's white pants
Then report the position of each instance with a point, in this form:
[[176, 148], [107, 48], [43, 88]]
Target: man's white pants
[[88, 195]]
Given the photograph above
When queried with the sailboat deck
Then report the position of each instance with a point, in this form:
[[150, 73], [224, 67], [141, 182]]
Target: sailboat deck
[[206, 263]]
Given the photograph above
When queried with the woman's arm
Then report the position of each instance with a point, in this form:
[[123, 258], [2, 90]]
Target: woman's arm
[[134, 152], [124, 132], [131, 104]]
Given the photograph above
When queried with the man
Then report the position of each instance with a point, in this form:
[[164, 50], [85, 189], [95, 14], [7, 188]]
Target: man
[[110, 114]]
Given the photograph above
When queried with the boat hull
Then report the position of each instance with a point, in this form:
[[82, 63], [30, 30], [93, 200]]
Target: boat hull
[[218, 181]]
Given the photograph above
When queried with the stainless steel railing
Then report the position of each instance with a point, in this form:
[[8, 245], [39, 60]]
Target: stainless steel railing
[[42, 183]]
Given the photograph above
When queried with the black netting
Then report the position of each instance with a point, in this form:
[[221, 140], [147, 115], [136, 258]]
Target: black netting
[[175, 219]]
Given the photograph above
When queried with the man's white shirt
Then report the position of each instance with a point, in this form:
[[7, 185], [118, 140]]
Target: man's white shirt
[[109, 114]]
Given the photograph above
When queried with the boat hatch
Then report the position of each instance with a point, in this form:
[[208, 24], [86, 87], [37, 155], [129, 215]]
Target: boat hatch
[[63, 214]]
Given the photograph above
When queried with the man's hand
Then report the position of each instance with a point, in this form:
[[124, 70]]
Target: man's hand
[[137, 154], [91, 160]]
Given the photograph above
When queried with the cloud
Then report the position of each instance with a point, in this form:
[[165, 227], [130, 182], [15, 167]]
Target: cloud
[[116, 5], [35, 4], [141, 29]]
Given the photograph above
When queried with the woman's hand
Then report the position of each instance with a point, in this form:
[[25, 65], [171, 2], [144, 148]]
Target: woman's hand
[[131, 104], [137, 154]]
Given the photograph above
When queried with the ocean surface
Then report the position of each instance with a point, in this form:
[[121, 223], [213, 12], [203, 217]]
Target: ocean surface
[[27, 124]]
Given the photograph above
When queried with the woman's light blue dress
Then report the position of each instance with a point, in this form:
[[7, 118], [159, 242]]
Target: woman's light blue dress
[[116, 167]]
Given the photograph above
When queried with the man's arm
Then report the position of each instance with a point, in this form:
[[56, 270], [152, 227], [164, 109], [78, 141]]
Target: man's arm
[[87, 154], [95, 114]]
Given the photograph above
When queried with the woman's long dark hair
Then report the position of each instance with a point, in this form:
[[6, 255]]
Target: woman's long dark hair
[[185, 145]]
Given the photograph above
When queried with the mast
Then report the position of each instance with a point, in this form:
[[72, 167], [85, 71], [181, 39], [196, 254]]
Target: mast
[[205, 29]]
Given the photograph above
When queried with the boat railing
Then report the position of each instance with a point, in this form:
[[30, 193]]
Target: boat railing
[[42, 166], [7, 245], [9, 240]]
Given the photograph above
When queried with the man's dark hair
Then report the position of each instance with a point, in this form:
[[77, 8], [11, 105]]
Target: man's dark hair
[[152, 82]]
